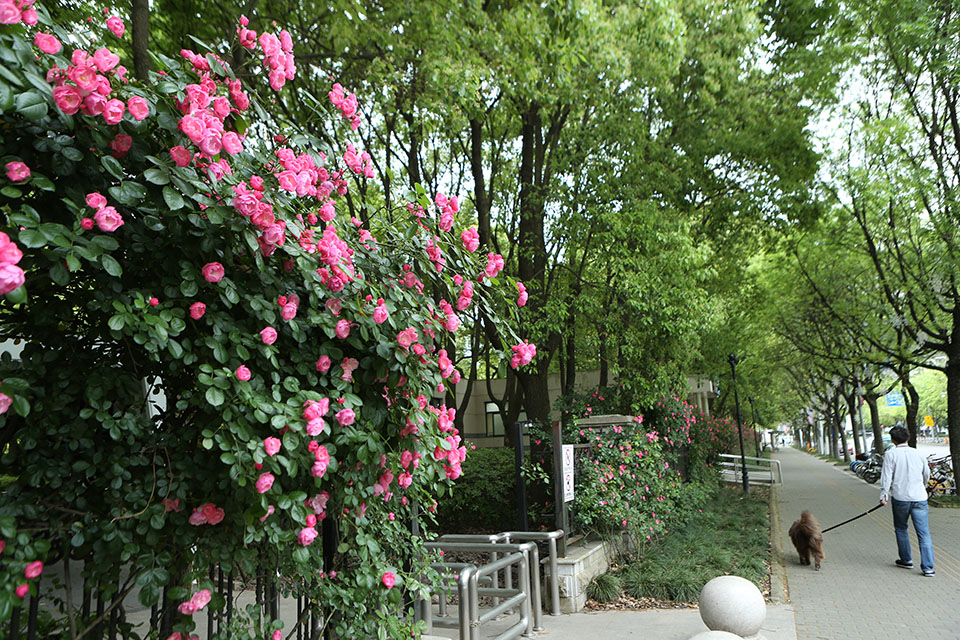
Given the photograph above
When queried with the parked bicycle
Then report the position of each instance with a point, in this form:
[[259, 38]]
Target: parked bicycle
[[941, 481], [869, 469]]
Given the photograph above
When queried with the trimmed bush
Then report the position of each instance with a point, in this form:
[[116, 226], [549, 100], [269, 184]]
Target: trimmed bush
[[484, 499]]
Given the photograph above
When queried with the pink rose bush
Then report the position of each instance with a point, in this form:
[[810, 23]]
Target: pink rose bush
[[182, 253]]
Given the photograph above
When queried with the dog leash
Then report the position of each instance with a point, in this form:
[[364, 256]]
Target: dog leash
[[852, 519]]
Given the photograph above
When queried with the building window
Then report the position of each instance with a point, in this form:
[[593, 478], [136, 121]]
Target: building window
[[493, 423], [493, 420]]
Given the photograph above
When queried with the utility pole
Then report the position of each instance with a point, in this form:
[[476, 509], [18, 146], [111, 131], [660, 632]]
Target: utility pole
[[732, 359]]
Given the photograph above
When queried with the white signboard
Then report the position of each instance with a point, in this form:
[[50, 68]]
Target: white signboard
[[567, 472]]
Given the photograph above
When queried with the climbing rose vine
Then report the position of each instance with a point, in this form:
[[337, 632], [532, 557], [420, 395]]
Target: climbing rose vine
[[224, 356]]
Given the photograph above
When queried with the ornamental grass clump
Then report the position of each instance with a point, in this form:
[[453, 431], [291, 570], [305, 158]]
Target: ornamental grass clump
[[229, 351], [604, 588]]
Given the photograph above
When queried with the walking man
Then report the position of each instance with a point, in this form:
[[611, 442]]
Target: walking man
[[904, 479]]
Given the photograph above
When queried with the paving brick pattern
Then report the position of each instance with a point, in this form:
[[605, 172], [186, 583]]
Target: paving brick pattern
[[859, 594]]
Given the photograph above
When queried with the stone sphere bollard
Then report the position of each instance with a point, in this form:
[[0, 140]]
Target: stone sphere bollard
[[715, 635], [734, 605]]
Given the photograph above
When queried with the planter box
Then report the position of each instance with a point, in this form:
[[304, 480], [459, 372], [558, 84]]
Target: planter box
[[582, 563]]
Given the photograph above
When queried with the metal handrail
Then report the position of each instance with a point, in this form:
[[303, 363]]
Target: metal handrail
[[529, 577], [733, 463], [551, 537], [466, 572]]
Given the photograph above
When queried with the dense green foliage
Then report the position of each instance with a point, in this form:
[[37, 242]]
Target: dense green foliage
[[485, 497]]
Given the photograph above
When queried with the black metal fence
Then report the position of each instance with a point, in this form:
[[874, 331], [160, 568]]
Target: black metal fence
[[105, 612]]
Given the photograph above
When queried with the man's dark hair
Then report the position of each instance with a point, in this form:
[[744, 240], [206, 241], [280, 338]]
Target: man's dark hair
[[899, 435]]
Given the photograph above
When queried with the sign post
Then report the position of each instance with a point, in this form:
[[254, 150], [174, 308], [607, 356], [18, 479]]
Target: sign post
[[568, 473]]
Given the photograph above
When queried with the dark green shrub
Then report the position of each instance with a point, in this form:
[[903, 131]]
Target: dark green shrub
[[484, 498], [604, 588]]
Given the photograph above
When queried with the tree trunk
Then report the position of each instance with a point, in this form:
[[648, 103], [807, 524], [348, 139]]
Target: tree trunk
[[480, 199], [871, 401], [852, 411], [570, 361], [953, 399], [912, 400], [140, 28], [604, 361]]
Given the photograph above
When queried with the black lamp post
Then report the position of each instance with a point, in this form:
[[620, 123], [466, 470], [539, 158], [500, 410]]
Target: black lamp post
[[519, 428], [736, 398]]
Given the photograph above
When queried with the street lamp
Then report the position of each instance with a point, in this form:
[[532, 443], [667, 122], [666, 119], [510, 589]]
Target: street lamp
[[732, 359]]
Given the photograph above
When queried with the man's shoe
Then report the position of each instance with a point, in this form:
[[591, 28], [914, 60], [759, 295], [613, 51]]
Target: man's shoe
[[929, 574], [905, 565]]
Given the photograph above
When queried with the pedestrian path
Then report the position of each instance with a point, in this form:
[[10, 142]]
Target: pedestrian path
[[859, 594]]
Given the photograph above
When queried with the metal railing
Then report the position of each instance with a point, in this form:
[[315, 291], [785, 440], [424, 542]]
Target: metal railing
[[469, 577], [759, 470], [552, 539]]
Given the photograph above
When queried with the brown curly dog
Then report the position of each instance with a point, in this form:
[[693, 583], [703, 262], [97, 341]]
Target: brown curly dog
[[807, 538]]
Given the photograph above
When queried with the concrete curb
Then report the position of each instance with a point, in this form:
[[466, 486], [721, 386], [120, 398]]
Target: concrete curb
[[779, 589]]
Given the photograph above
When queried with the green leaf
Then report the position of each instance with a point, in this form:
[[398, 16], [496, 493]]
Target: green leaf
[[72, 153], [116, 322], [112, 165], [59, 274], [157, 176], [111, 266], [214, 396], [11, 192], [148, 595], [21, 406], [31, 238], [173, 198], [189, 288], [31, 105], [73, 263]]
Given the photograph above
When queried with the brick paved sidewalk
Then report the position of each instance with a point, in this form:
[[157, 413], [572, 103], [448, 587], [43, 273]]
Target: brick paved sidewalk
[[859, 594]]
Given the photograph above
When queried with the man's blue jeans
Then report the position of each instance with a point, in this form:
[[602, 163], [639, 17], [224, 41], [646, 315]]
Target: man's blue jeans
[[919, 511]]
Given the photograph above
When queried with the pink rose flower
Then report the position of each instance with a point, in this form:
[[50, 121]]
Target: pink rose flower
[[268, 335], [345, 417], [343, 329], [471, 239], [108, 219], [11, 278], [154, 302], [96, 201], [9, 14], [17, 171], [243, 373], [264, 482], [232, 143], [68, 98], [323, 364], [380, 314], [47, 43], [212, 272], [121, 145], [113, 111], [5, 402], [288, 311], [306, 536], [87, 223], [138, 108], [105, 60], [180, 156], [197, 309], [33, 570], [116, 26], [22, 590], [271, 445], [388, 579]]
